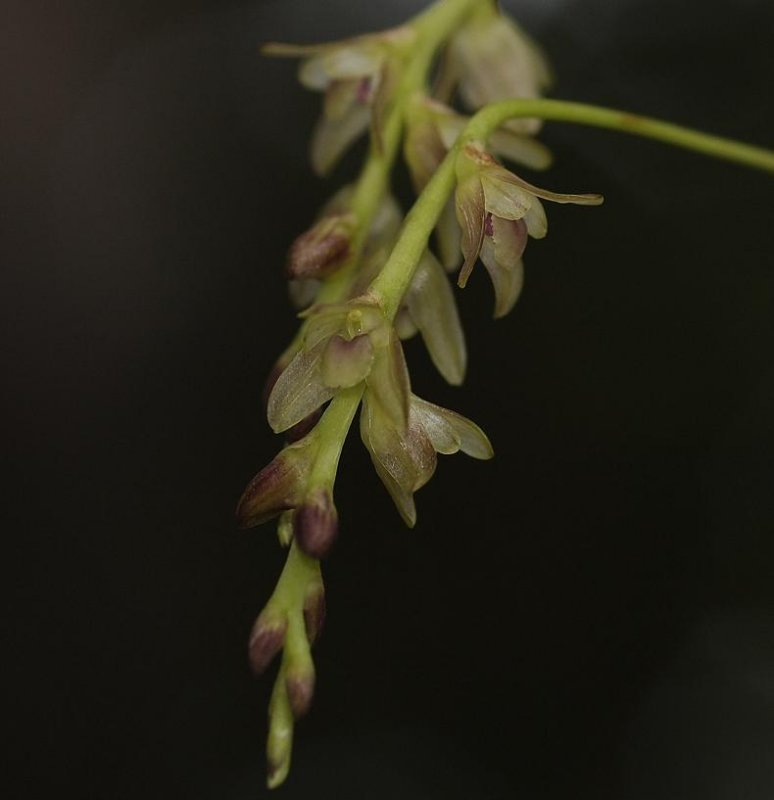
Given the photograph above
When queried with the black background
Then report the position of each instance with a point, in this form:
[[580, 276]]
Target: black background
[[588, 615]]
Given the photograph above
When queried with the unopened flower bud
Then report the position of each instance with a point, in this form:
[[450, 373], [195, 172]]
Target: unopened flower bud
[[266, 639], [280, 741], [323, 248], [277, 487], [316, 524], [300, 688]]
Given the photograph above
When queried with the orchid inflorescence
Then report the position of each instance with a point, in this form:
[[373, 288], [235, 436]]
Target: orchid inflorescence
[[364, 278]]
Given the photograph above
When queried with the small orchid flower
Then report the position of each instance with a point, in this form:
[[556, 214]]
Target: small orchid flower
[[497, 211], [357, 76], [432, 129], [406, 459], [345, 344], [492, 59]]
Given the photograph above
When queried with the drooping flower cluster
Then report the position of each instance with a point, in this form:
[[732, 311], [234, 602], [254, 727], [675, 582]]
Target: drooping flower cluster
[[349, 347]]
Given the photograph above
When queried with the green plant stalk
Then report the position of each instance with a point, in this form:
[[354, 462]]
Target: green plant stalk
[[396, 275], [331, 431]]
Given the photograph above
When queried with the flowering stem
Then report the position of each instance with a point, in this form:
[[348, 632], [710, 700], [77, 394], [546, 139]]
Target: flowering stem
[[432, 28], [396, 275]]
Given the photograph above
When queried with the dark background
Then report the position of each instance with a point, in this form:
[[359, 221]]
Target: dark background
[[589, 615]]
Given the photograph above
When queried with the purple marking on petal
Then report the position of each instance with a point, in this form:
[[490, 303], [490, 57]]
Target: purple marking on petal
[[364, 88], [488, 224]]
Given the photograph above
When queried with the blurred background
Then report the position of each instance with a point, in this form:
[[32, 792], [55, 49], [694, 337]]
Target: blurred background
[[590, 614]]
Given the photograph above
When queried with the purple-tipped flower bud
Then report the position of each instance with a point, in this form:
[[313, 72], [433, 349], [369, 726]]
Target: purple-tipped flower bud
[[300, 688], [323, 248], [277, 487], [316, 524], [314, 613], [266, 639]]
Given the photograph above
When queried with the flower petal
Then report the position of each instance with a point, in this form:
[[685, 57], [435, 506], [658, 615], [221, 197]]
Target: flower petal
[[521, 149], [404, 461], [340, 64], [299, 390], [331, 138], [503, 198], [501, 253], [497, 60], [450, 432], [340, 97], [388, 382], [432, 307], [448, 239], [423, 150], [556, 197], [470, 209], [346, 363]]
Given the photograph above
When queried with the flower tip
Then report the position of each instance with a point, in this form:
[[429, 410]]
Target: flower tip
[[277, 773], [273, 490], [266, 639], [316, 524], [300, 689], [322, 249]]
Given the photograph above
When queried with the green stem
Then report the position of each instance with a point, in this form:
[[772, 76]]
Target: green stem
[[299, 573], [396, 275], [490, 118], [331, 431]]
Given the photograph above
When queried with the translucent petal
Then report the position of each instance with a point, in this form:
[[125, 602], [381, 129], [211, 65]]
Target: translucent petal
[[423, 151], [501, 255], [498, 61], [450, 432], [521, 149], [388, 382], [432, 307], [346, 364], [340, 97], [503, 198], [303, 292], [299, 390], [331, 138], [339, 63], [450, 126], [555, 197], [404, 325], [470, 209], [508, 281], [448, 238], [404, 461], [536, 220], [322, 323]]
